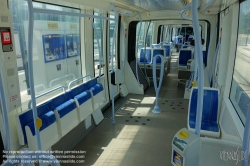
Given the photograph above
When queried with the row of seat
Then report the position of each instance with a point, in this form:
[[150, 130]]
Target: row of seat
[[147, 54], [185, 54], [61, 114]]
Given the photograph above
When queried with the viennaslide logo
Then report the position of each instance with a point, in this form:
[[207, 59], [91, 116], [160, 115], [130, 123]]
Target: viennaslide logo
[[232, 155]]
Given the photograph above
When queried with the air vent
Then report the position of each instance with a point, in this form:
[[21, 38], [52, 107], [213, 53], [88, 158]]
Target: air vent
[[4, 19]]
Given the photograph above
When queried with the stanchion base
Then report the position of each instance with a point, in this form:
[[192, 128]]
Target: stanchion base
[[156, 110], [113, 121]]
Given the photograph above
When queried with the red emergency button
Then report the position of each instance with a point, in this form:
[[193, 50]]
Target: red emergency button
[[6, 39]]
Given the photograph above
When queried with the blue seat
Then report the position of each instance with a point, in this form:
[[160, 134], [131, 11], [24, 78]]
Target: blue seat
[[83, 97], [66, 107], [158, 51], [145, 58], [190, 38], [96, 88], [209, 124], [27, 117], [167, 50], [184, 56], [91, 83], [47, 119], [179, 40]]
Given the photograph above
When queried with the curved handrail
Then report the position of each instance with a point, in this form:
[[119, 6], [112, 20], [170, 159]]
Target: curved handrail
[[157, 87], [78, 80], [56, 79], [45, 93]]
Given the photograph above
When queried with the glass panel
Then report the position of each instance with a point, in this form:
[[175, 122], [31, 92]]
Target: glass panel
[[149, 35], [141, 36], [98, 33], [111, 32], [240, 90], [56, 47]]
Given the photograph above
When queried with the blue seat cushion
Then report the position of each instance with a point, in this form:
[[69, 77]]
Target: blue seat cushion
[[66, 107], [47, 119], [208, 126], [74, 92], [91, 83], [83, 97], [96, 89], [210, 109]]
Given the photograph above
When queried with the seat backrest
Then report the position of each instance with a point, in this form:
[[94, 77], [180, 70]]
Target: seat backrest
[[145, 55], [184, 56], [91, 83], [190, 38], [210, 104], [180, 39], [157, 51], [167, 50]]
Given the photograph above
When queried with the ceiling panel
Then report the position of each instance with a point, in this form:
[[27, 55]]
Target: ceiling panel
[[155, 5]]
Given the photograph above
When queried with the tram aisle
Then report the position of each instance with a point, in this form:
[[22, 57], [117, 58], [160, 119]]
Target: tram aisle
[[139, 137]]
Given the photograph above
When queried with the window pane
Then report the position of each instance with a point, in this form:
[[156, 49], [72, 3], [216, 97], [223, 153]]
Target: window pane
[[149, 35], [111, 33], [240, 90], [98, 34], [56, 47]]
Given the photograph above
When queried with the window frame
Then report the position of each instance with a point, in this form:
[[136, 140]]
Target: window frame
[[229, 77]]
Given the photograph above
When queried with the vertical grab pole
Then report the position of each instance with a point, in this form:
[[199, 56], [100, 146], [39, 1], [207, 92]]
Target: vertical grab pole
[[30, 67], [246, 137], [198, 49], [112, 64], [137, 49], [99, 50], [156, 109]]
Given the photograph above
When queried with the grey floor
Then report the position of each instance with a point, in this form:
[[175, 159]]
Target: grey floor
[[139, 138]]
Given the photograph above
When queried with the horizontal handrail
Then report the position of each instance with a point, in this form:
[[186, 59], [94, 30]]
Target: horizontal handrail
[[69, 86], [45, 93], [56, 79]]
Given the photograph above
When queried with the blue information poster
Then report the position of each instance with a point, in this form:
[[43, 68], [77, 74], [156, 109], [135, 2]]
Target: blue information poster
[[177, 159], [54, 47], [73, 45]]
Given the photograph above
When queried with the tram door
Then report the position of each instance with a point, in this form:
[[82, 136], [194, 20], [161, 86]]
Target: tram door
[[111, 27]]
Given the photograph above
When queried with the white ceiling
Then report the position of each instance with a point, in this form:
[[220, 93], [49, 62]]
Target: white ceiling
[[155, 5]]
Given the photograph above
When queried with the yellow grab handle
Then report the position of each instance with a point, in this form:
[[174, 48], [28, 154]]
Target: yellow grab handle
[[39, 123], [183, 134]]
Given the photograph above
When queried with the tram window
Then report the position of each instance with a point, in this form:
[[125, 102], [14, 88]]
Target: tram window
[[240, 87], [111, 32], [140, 38], [98, 34], [149, 35], [56, 47]]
